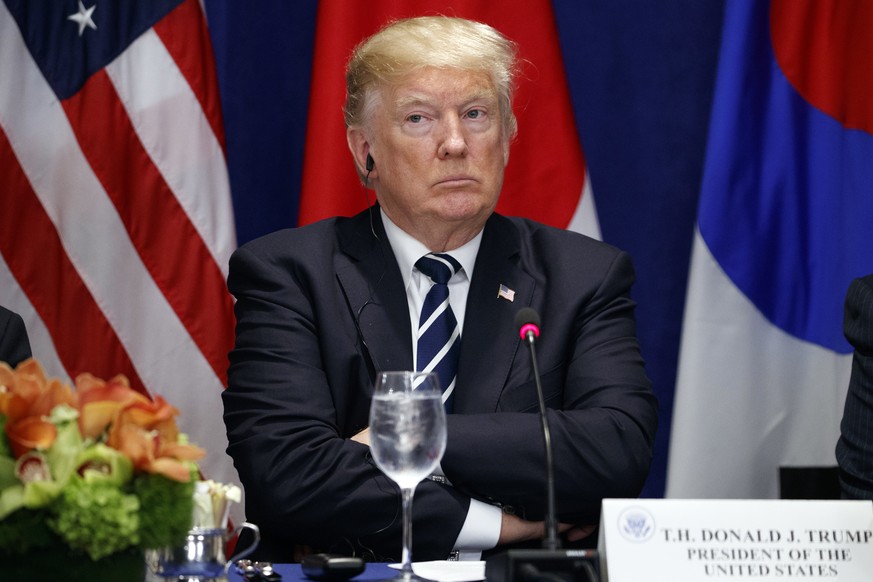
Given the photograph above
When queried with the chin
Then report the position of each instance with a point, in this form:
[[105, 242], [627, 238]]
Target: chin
[[465, 207]]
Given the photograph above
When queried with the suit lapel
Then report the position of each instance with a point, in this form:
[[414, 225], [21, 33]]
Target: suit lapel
[[489, 340], [370, 279]]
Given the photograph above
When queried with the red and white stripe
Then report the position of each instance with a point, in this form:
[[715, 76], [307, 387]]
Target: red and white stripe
[[116, 222]]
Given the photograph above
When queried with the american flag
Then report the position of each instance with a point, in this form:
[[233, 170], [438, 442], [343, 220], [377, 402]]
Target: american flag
[[115, 211]]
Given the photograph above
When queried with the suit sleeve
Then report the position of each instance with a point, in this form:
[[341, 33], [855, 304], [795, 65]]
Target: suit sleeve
[[855, 446], [14, 345], [292, 385], [601, 410]]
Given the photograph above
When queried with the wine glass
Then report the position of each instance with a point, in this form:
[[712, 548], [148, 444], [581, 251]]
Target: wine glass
[[407, 439]]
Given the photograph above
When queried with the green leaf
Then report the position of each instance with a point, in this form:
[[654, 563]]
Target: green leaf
[[5, 450], [63, 453], [11, 499], [41, 493], [7, 473]]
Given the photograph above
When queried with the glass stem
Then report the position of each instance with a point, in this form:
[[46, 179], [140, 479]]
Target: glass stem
[[406, 556]]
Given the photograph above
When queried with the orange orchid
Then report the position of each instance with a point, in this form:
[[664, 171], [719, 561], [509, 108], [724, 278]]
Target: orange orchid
[[27, 398], [95, 463], [146, 432], [101, 401]]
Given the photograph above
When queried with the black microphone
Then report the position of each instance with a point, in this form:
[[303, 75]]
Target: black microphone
[[527, 320], [549, 564]]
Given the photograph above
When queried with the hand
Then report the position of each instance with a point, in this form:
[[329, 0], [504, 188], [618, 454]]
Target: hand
[[514, 529], [578, 532], [363, 437]]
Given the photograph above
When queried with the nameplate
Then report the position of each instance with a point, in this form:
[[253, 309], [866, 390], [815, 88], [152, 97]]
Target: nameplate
[[685, 540]]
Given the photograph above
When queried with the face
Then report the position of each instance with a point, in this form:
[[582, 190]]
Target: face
[[439, 150]]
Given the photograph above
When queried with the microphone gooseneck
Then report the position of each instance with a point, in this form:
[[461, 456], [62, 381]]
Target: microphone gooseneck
[[549, 563], [528, 322]]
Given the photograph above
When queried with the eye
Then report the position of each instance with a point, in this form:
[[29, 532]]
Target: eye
[[475, 113], [414, 118]]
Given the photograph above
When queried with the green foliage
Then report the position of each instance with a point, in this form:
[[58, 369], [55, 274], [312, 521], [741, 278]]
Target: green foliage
[[102, 463], [24, 530], [97, 518], [5, 451], [168, 507]]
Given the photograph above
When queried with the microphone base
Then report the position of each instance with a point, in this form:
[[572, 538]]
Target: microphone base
[[532, 565]]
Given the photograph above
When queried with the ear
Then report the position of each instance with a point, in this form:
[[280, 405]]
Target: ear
[[359, 145], [505, 145]]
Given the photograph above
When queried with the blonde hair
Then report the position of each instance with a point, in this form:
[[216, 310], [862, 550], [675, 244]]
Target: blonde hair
[[430, 41]]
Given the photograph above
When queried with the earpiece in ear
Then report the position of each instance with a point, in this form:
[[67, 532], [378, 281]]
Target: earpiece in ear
[[371, 163]]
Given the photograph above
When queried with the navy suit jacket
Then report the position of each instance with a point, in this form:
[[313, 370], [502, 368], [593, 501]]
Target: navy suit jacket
[[321, 308], [855, 446], [14, 345]]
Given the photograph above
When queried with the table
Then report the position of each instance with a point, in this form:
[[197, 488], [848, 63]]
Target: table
[[293, 573]]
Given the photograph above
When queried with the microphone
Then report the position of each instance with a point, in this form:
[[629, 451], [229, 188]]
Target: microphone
[[550, 564], [527, 320]]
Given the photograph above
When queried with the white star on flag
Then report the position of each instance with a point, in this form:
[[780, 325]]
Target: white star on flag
[[83, 18]]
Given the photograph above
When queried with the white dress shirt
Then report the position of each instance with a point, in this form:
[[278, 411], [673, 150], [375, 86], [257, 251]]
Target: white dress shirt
[[481, 529]]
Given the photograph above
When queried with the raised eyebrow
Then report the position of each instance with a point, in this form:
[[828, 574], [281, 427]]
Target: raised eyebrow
[[408, 102], [486, 97]]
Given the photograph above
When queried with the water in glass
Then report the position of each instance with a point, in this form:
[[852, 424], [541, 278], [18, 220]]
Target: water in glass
[[407, 439]]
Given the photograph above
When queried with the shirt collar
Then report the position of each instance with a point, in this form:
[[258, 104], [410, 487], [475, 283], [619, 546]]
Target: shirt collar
[[407, 249]]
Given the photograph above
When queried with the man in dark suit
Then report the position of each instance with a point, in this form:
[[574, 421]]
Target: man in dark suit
[[14, 345], [855, 446], [320, 309]]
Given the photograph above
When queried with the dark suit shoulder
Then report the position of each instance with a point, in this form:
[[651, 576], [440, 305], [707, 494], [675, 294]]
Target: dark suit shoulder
[[294, 240], [320, 239], [563, 252], [858, 315], [856, 430], [552, 236], [6, 316], [14, 343]]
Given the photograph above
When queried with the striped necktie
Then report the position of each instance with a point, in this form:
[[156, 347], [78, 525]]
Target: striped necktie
[[439, 337]]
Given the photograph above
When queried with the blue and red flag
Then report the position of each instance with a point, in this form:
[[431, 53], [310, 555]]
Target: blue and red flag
[[784, 225]]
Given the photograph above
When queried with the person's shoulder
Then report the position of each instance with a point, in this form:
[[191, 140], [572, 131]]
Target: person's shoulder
[[551, 237], [568, 260], [302, 240], [860, 289], [299, 233], [859, 296], [866, 281], [9, 317], [14, 343]]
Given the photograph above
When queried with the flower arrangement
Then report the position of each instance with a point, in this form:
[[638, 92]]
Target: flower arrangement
[[98, 470]]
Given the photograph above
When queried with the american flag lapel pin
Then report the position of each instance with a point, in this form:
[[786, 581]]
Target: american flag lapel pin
[[504, 292]]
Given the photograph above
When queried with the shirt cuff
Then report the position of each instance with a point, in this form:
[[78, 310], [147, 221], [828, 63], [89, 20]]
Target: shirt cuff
[[481, 529]]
